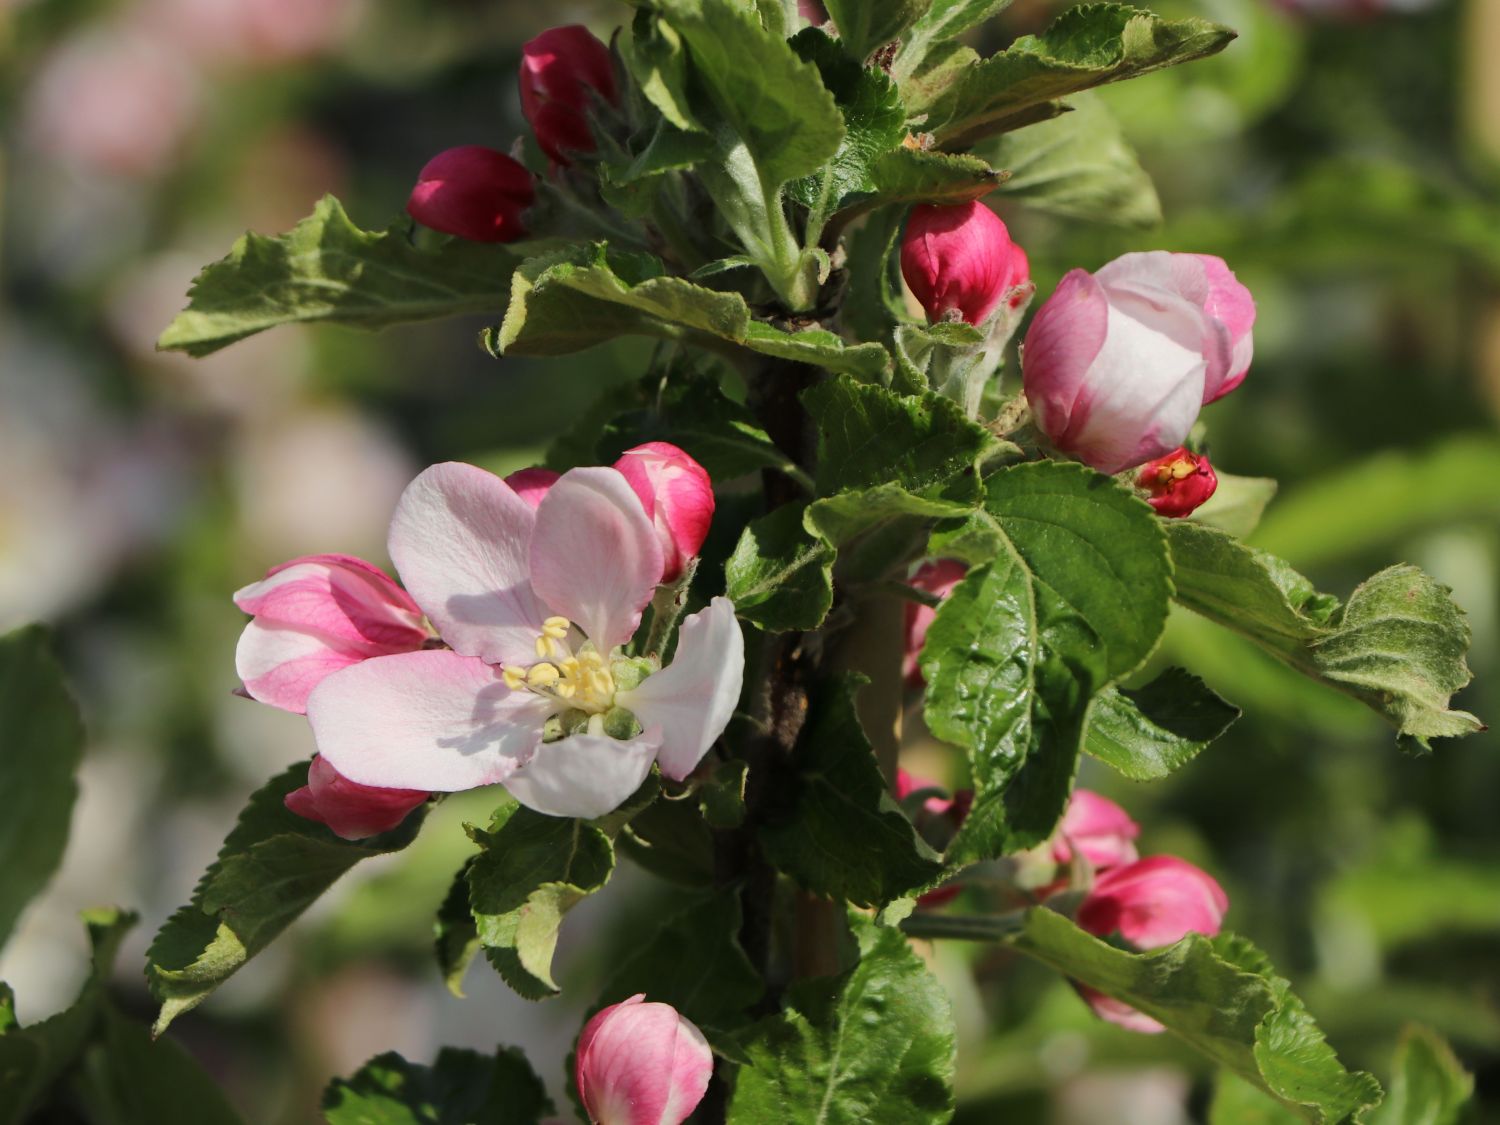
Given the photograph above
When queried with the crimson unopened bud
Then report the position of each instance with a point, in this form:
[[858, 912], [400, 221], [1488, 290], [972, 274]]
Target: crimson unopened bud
[[678, 497], [961, 259], [1150, 903], [350, 809], [562, 69], [473, 192], [641, 1063], [1177, 484]]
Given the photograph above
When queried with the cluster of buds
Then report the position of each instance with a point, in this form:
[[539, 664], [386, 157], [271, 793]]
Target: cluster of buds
[[320, 615], [481, 194]]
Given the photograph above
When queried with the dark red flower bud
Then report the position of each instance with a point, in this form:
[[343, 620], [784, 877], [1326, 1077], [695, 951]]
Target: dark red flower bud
[[473, 192], [559, 68], [1178, 483]]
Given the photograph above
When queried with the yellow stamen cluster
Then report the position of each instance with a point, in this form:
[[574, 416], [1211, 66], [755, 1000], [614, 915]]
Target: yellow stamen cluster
[[1180, 469], [582, 680]]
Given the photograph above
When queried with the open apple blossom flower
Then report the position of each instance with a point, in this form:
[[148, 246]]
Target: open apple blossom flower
[[1097, 828], [1150, 903], [641, 1063], [351, 810], [532, 690]]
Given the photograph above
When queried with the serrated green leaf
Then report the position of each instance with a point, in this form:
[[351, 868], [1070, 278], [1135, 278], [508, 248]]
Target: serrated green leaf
[[721, 797], [911, 175], [126, 1078], [673, 840], [942, 21], [1398, 645], [1069, 592], [1155, 730], [1086, 46], [694, 963], [1078, 165], [845, 515], [1428, 1086], [42, 746], [455, 933], [869, 436], [770, 98], [864, 25], [586, 295], [874, 123], [873, 1044], [781, 575], [1238, 1102], [327, 269], [1223, 998], [273, 865], [836, 830], [530, 871], [462, 1087], [657, 59]]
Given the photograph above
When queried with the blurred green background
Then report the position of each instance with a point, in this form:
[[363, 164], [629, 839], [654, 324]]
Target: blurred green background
[[1343, 156]]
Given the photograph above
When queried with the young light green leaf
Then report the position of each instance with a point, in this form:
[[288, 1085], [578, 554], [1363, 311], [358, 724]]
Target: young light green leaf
[[873, 1044], [864, 25], [1428, 1086], [43, 744], [273, 865], [781, 575], [1155, 730], [460, 1087], [1398, 645], [1223, 998], [530, 871], [874, 122], [1238, 1102], [694, 963], [656, 58], [1078, 165], [1086, 46], [837, 831], [772, 100], [869, 436], [327, 269], [942, 21], [1069, 592]]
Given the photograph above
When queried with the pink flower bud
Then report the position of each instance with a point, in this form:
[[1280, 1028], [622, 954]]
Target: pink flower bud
[[960, 258], [1150, 903], [1117, 364], [1178, 483], [936, 822], [937, 577], [314, 616], [678, 497], [473, 192], [562, 69], [532, 484], [641, 1063], [350, 809], [1098, 828]]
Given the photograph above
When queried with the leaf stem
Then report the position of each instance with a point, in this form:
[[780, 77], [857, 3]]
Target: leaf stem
[[965, 927]]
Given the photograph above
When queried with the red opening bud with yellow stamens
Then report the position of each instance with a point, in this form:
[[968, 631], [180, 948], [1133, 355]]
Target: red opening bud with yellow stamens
[[1177, 483]]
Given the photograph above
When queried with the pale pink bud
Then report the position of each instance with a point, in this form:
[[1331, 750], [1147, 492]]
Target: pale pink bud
[[1177, 484], [1117, 364], [641, 1063], [350, 809], [1098, 828], [678, 497], [532, 484], [960, 258], [473, 192], [1150, 903], [937, 577], [562, 70], [314, 616]]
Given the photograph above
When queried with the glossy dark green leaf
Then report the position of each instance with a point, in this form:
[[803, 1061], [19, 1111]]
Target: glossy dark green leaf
[[460, 1088], [1152, 731], [781, 575]]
